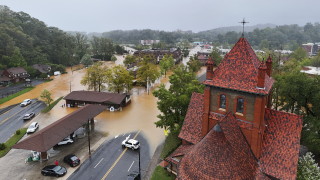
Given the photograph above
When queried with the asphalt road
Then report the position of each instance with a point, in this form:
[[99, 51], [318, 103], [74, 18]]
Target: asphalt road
[[113, 162], [12, 120]]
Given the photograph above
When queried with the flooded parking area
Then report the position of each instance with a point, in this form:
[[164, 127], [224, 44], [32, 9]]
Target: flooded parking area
[[140, 114]]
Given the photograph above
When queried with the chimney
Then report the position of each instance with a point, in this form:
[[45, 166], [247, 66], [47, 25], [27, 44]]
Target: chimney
[[209, 65], [269, 65], [261, 74]]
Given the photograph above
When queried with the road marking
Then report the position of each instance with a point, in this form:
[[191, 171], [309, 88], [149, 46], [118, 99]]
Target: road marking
[[3, 121], [116, 136], [98, 163], [118, 159], [130, 166]]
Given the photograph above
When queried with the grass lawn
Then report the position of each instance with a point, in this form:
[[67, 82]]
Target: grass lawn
[[12, 141], [171, 143], [161, 174], [8, 98], [48, 108]]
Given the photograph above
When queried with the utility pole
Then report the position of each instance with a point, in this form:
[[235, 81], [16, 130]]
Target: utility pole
[[89, 137], [140, 176]]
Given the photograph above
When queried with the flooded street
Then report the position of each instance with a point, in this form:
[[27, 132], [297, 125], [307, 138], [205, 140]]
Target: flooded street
[[140, 114]]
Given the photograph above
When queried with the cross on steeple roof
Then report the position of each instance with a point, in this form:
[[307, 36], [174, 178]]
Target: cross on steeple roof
[[243, 22]]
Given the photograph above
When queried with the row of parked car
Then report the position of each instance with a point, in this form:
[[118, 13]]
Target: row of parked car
[[58, 171], [51, 170]]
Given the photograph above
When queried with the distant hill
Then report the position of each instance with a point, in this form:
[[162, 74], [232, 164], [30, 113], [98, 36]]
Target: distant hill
[[222, 30]]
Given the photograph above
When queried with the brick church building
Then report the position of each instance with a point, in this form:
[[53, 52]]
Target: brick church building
[[230, 131]]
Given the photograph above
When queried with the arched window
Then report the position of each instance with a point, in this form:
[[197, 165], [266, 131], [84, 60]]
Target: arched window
[[240, 104], [223, 101]]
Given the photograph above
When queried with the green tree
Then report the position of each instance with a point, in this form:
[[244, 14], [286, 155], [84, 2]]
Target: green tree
[[46, 96], [310, 136], [102, 48], [166, 63], [298, 93], [147, 73], [299, 54], [215, 55], [119, 79], [86, 60], [173, 102], [119, 49], [308, 168], [194, 64], [113, 58], [95, 77], [315, 61], [17, 60], [81, 45], [130, 60]]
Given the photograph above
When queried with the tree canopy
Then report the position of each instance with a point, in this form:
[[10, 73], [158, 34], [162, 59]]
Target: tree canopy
[[119, 79], [173, 102], [95, 77]]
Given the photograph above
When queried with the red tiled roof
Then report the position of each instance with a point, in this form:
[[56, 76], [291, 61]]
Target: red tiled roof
[[281, 144], [191, 129], [217, 157], [180, 151], [49, 136], [93, 96], [239, 70]]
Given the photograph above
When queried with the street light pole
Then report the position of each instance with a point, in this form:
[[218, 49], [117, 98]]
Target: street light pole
[[140, 176]]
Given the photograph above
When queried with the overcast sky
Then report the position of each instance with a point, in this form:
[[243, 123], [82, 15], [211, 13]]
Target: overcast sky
[[169, 15]]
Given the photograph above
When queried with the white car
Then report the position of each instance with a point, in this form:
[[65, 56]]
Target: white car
[[66, 140], [33, 127], [131, 143], [25, 102]]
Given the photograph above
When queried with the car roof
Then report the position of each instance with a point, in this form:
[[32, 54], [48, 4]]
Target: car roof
[[69, 155], [27, 100], [49, 167], [33, 123], [132, 141]]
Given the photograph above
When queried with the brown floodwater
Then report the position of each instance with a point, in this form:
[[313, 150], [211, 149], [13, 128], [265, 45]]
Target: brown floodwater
[[139, 115]]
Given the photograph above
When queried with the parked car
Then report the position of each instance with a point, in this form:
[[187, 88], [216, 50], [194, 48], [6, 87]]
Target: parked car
[[28, 116], [131, 143], [33, 127], [133, 176], [54, 170], [26, 102], [72, 160], [65, 141]]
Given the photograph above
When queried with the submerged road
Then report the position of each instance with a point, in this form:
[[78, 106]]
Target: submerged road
[[111, 161]]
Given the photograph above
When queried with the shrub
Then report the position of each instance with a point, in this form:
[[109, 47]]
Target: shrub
[[2, 146], [18, 132]]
